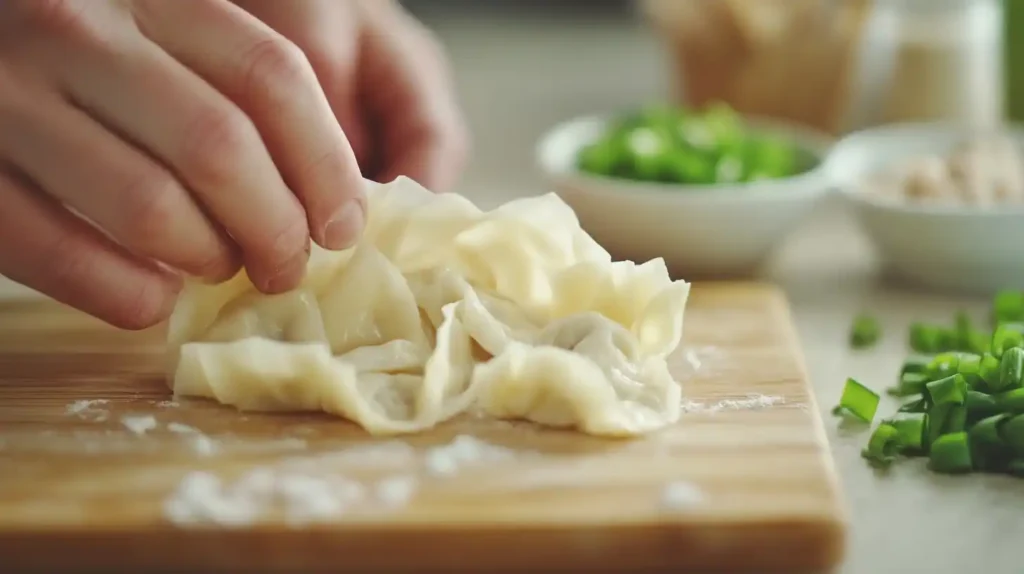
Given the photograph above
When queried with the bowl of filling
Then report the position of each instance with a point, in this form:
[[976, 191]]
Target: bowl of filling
[[708, 190], [943, 204]]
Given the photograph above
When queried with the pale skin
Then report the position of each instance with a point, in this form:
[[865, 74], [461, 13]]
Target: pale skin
[[145, 141]]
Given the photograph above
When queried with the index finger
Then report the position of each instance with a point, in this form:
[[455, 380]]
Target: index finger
[[271, 80]]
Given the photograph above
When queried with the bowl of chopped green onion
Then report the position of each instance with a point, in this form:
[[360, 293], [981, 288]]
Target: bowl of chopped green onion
[[943, 204], [710, 191]]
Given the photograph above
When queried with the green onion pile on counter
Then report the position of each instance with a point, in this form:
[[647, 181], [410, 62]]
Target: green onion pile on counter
[[674, 145], [963, 396]]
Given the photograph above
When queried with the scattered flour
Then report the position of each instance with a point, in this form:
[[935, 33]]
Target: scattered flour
[[464, 450], [307, 490], [681, 495], [204, 445], [88, 409], [139, 424], [179, 428], [168, 404], [751, 402], [396, 490]]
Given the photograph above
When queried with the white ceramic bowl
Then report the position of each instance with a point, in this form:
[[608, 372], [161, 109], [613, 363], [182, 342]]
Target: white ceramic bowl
[[946, 248], [701, 231]]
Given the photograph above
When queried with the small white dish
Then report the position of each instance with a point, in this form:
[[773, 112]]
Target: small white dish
[[720, 230], [966, 249]]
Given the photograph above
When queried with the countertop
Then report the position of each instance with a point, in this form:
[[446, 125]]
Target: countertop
[[518, 75]]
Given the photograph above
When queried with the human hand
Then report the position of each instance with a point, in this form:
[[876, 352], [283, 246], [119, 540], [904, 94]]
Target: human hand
[[387, 80], [140, 138]]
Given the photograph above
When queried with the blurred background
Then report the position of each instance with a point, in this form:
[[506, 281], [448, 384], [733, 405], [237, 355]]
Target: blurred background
[[837, 66]]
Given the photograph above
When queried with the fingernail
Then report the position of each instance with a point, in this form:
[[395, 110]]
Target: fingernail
[[345, 226], [287, 277]]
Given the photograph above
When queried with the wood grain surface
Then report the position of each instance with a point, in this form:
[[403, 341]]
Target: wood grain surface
[[81, 491]]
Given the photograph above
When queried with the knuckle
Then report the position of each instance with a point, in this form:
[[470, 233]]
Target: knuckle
[[54, 16], [272, 68], [214, 146]]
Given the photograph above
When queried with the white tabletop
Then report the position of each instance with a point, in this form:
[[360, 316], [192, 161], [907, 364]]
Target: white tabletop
[[518, 77]]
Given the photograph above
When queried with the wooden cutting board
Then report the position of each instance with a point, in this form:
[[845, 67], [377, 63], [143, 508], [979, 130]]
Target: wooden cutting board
[[89, 482]]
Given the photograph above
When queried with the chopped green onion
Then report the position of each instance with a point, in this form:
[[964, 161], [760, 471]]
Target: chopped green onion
[[865, 332], [950, 453], [910, 384], [917, 406], [943, 365], [910, 427], [989, 371], [980, 405], [927, 339], [969, 367], [977, 342], [859, 400], [1016, 467], [915, 365], [986, 431], [1012, 433], [937, 417], [1008, 307], [951, 390], [956, 420], [1007, 336], [1011, 368], [883, 445]]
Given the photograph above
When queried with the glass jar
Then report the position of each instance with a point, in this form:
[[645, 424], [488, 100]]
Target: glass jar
[[947, 61]]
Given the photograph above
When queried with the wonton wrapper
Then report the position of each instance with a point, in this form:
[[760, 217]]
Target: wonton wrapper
[[442, 308]]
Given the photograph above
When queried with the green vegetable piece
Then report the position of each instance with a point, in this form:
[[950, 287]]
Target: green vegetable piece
[[768, 157], [969, 367], [1015, 467], [927, 339], [1012, 433], [977, 342], [1011, 368], [951, 454], [943, 365], [859, 400], [910, 384], [916, 406], [937, 417], [911, 427], [725, 124], [915, 365], [865, 331], [1011, 401], [956, 420], [951, 390], [986, 431], [1008, 307], [962, 324], [883, 445], [981, 405], [600, 158], [989, 371], [1006, 336], [729, 169], [688, 166]]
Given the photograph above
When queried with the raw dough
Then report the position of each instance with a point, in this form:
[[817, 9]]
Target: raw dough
[[440, 309]]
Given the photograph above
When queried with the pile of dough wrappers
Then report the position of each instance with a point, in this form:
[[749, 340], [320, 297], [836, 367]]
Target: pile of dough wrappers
[[443, 309]]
